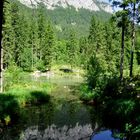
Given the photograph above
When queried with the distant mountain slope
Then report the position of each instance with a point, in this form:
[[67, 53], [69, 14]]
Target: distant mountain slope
[[70, 17], [66, 19]]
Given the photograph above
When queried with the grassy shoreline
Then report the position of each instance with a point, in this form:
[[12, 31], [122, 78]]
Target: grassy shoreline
[[23, 89], [12, 101]]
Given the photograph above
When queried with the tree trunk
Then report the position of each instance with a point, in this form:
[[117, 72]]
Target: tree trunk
[[133, 42], [122, 49], [1, 49]]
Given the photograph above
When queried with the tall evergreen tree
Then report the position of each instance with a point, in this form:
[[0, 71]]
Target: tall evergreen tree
[[123, 5], [122, 16], [34, 41], [15, 13], [41, 18], [134, 14], [33, 36], [130, 11], [84, 51], [72, 47], [48, 49], [8, 35]]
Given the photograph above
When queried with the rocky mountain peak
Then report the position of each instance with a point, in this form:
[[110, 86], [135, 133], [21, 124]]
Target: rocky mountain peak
[[92, 5]]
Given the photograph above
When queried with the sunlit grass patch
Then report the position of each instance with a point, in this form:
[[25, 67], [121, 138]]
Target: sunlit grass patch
[[13, 100], [29, 96]]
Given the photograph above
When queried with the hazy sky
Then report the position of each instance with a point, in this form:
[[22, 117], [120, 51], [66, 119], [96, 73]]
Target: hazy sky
[[105, 1]]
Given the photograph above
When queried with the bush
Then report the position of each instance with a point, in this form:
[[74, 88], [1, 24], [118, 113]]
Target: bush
[[40, 65], [86, 94], [13, 75]]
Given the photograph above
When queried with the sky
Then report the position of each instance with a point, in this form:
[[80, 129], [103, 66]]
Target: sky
[[105, 1]]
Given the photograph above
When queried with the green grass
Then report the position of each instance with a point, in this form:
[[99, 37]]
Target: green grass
[[21, 90], [28, 96], [12, 101]]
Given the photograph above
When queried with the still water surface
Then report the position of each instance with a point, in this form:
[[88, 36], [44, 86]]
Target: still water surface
[[58, 120]]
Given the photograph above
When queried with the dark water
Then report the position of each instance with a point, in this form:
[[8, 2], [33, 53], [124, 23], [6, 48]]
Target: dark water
[[63, 121], [58, 120]]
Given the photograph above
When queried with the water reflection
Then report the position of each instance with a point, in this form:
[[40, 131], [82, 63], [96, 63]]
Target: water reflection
[[58, 120], [58, 133], [63, 121], [103, 135], [60, 80]]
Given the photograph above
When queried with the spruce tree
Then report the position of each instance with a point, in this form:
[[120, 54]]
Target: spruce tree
[[72, 47], [8, 36], [34, 41], [41, 19], [48, 49]]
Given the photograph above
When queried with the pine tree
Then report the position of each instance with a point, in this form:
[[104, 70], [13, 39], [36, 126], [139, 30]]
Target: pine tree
[[24, 43], [84, 51], [15, 13], [130, 12], [72, 47], [134, 15], [33, 36], [41, 19], [34, 41], [48, 49], [60, 52], [122, 16], [112, 47], [8, 36]]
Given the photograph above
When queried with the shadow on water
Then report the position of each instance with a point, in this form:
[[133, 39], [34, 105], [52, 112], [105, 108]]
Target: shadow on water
[[8, 106], [39, 97]]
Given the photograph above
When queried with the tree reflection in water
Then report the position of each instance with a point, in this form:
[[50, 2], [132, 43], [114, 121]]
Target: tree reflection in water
[[63, 121], [55, 133]]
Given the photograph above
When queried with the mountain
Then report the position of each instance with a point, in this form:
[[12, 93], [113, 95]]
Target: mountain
[[92, 5], [71, 14]]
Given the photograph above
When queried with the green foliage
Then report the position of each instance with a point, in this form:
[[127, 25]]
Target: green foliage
[[124, 107], [48, 55], [12, 76], [72, 47], [60, 53], [77, 20], [60, 37], [40, 65], [34, 40], [86, 94], [103, 62], [84, 51], [25, 63], [28, 96], [18, 97]]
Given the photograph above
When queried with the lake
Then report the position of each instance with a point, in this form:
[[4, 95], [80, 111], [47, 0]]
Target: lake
[[59, 119]]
